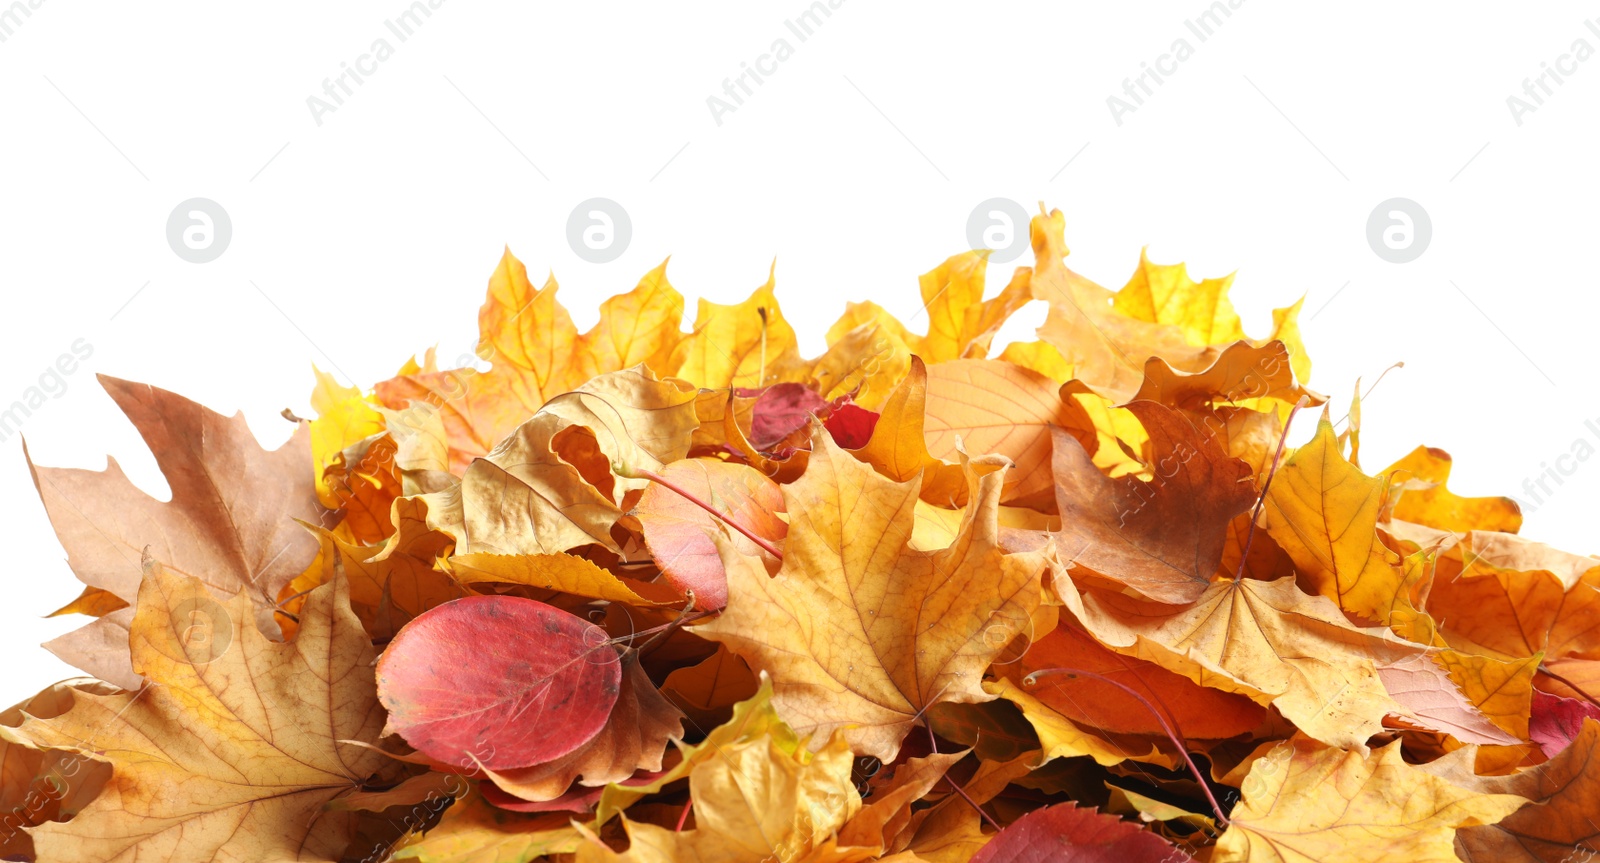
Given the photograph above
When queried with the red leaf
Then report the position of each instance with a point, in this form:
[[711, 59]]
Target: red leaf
[[781, 410], [851, 425], [1066, 834], [508, 681], [1556, 721]]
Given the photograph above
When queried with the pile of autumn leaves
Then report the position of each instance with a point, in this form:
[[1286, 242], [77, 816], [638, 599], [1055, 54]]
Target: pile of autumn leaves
[[643, 595]]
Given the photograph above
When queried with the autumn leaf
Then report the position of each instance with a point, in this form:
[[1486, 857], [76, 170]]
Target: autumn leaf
[[230, 521], [898, 447], [741, 345], [991, 406], [344, 417], [536, 353], [632, 740], [1555, 722], [1433, 700], [707, 691], [1193, 710], [1424, 499], [1307, 801], [1267, 641], [472, 831], [858, 631], [549, 486], [680, 532], [526, 701], [37, 786], [1067, 834], [1162, 537], [560, 574], [236, 750], [757, 800], [1323, 511]]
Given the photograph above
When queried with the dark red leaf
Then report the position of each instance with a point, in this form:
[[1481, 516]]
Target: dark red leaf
[[1066, 834], [508, 681], [851, 425], [781, 410], [1555, 721]]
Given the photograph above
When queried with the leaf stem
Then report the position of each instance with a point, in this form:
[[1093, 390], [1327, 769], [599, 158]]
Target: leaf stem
[[1250, 535], [933, 742], [684, 818], [1545, 670], [687, 618], [1172, 734]]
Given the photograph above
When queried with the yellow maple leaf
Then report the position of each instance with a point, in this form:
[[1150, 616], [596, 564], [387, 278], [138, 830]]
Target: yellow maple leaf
[[859, 631], [1265, 640], [1324, 512], [1306, 801], [742, 345]]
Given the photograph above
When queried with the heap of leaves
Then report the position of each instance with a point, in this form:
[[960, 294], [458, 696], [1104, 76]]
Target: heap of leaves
[[646, 595]]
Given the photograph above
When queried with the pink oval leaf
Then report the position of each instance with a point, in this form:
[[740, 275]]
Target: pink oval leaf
[[505, 681], [679, 532], [1066, 834]]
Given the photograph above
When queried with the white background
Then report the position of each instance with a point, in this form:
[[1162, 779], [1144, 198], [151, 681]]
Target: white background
[[368, 237]]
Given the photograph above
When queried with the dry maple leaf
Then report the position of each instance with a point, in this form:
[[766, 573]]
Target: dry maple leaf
[[858, 630], [1162, 537], [992, 406], [1323, 511], [36, 785], [536, 353], [230, 521], [473, 831], [765, 798], [1265, 640], [741, 345], [1424, 499], [1306, 801], [233, 751]]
